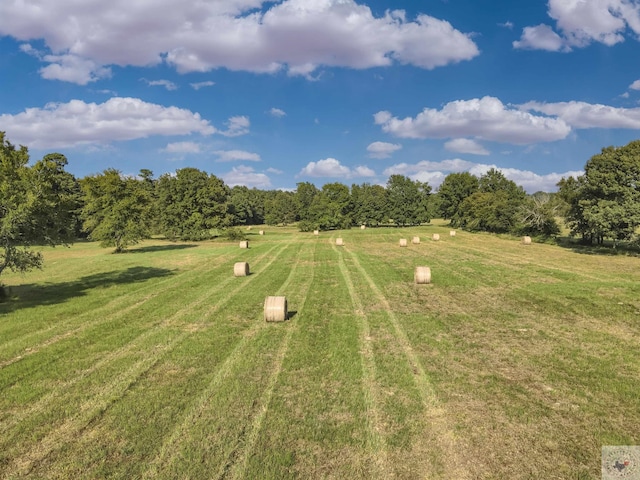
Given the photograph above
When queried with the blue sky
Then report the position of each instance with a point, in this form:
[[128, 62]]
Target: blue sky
[[271, 93]]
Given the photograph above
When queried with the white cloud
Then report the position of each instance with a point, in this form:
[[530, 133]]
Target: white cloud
[[382, 149], [169, 85], [486, 118], [237, 126], [199, 85], [506, 24], [465, 145], [182, 147], [330, 167], [117, 119], [242, 175], [235, 155], [276, 112], [435, 173], [635, 85], [587, 115], [251, 35], [540, 37], [275, 170], [582, 22]]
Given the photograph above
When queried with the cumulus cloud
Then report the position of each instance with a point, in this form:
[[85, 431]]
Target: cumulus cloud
[[587, 115], [250, 35], [330, 167], [486, 118], [117, 119], [540, 37], [635, 85], [236, 155], [237, 126], [274, 170], [465, 145], [67, 67], [382, 149], [169, 85], [435, 173], [199, 85], [276, 112], [182, 147], [584, 22], [247, 176]]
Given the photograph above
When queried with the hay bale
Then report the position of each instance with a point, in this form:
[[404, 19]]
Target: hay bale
[[362, 227], [316, 232], [339, 242], [249, 227], [275, 309], [526, 240], [261, 232], [415, 240], [452, 233], [435, 237], [240, 269], [403, 242], [422, 275], [244, 244]]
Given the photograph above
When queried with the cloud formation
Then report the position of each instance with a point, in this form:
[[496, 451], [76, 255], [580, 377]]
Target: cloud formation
[[247, 176], [332, 168], [182, 147], [484, 118], [276, 112], [199, 85], [435, 173], [584, 22], [587, 115], [169, 85], [466, 145], [236, 155], [382, 149], [118, 119], [298, 36]]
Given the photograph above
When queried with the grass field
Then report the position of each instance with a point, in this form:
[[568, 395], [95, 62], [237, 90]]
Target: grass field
[[516, 362]]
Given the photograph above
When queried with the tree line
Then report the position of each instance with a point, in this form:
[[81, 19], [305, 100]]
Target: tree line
[[44, 204]]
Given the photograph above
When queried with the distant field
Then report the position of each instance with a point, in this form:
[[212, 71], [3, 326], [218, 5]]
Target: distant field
[[516, 362]]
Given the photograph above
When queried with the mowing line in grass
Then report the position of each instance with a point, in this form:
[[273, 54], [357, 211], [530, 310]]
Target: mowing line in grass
[[133, 345], [169, 449], [371, 392], [433, 410], [102, 399]]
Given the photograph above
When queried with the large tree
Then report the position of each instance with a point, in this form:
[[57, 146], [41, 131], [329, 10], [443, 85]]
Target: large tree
[[37, 206], [452, 191], [116, 210], [407, 200], [369, 204], [605, 201], [192, 203], [331, 208]]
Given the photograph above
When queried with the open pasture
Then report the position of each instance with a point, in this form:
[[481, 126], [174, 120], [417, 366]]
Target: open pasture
[[515, 362]]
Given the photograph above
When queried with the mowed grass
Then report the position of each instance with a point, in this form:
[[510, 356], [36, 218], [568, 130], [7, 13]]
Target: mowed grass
[[516, 362]]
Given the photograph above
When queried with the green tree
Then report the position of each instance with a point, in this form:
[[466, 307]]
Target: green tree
[[453, 190], [280, 208], [192, 204], [369, 204], [37, 206], [331, 208], [305, 195], [247, 205], [494, 207], [538, 215], [605, 201], [116, 209], [407, 201]]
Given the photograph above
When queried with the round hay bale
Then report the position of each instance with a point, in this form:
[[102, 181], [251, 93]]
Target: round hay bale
[[240, 269], [244, 244], [452, 233], [339, 242], [249, 227], [422, 275], [275, 309], [435, 237], [316, 232], [261, 232], [362, 227], [526, 240], [415, 240], [403, 242]]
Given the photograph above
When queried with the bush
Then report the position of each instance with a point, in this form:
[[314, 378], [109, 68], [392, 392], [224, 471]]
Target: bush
[[234, 234]]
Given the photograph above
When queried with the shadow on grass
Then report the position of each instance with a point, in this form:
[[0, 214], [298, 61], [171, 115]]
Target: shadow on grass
[[161, 248], [608, 248], [291, 314], [34, 295]]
